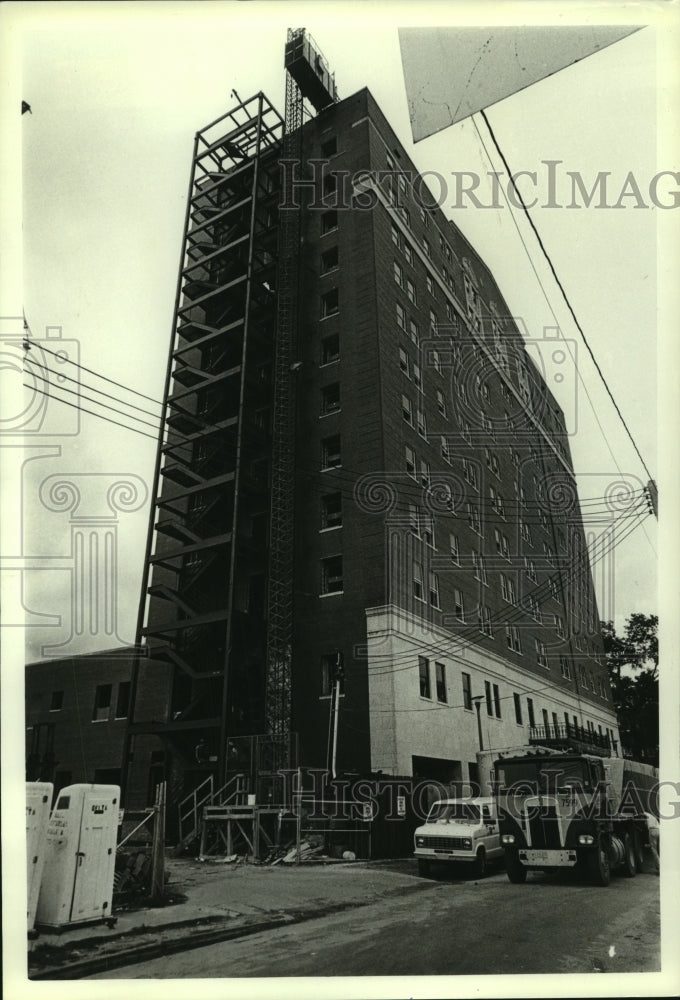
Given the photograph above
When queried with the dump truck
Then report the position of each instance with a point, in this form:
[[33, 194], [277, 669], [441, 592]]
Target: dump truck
[[561, 809]]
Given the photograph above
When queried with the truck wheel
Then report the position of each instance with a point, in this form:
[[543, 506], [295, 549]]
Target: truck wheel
[[629, 864], [423, 868], [598, 864], [517, 873], [481, 868]]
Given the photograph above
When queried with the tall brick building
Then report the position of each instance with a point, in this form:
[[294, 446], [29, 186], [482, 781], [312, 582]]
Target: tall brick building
[[439, 552]]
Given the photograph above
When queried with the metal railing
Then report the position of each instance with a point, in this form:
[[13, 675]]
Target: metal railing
[[575, 734]]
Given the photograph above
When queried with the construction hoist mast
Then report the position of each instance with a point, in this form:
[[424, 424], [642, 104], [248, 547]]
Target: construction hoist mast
[[307, 77]]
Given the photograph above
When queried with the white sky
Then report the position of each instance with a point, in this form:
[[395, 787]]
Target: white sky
[[117, 97]]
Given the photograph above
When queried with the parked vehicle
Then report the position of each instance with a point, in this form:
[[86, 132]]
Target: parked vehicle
[[568, 809], [459, 830]]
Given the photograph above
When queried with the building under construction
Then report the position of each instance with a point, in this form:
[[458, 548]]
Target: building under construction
[[366, 551]]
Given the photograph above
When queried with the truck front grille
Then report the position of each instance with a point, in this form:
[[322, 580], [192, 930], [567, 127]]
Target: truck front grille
[[544, 828], [442, 843]]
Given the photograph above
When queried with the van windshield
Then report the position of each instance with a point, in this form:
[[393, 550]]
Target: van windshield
[[454, 812]]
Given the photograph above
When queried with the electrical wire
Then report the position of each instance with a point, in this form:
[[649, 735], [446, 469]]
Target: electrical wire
[[562, 290]]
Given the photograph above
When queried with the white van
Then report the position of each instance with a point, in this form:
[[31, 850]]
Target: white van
[[459, 830]]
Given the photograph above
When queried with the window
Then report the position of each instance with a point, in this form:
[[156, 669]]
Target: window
[[449, 308], [329, 260], [487, 694], [502, 544], [433, 322], [473, 518], [417, 381], [403, 361], [427, 248], [434, 590], [440, 681], [518, 708], [441, 402], [408, 254], [423, 217], [566, 668], [497, 501], [459, 605], [331, 575], [478, 566], [418, 581], [508, 590], [396, 236], [466, 432], [329, 303], [329, 147], [424, 472], [422, 427], [541, 654], [430, 284], [411, 291], [559, 626], [398, 274], [56, 701], [436, 362], [424, 677], [467, 691], [530, 710], [485, 621], [329, 222], [407, 410], [330, 398], [512, 638], [401, 316], [414, 332], [525, 531], [491, 461], [454, 548], [531, 569], [444, 447], [470, 472], [427, 528], [123, 700], [331, 670], [330, 349], [411, 462], [330, 452], [102, 703], [496, 701], [331, 510]]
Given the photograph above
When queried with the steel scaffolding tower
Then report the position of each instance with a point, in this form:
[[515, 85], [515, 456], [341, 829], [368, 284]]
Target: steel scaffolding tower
[[206, 559]]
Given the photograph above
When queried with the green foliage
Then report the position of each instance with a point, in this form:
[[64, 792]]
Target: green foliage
[[635, 692]]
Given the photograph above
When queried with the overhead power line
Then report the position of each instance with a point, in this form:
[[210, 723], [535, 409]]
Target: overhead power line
[[562, 290]]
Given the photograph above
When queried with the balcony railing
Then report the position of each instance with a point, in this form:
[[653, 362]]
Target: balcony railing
[[571, 735]]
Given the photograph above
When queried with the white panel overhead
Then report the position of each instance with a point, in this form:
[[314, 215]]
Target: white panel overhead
[[452, 72]]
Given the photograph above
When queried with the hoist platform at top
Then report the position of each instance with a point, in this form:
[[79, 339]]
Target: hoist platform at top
[[307, 66]]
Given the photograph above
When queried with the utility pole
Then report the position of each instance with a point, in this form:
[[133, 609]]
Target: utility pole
[[652, 497], [477, 700], [338, 679]]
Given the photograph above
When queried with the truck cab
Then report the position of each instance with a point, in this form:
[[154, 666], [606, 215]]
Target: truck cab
[[459, 830]]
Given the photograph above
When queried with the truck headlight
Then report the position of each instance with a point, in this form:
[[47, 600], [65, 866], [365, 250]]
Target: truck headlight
[[586, 838], [467, 844], [508, 838], [420, 841]]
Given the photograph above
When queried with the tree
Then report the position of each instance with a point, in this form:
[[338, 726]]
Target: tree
[[635, 692]]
